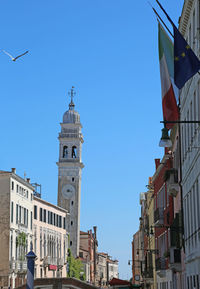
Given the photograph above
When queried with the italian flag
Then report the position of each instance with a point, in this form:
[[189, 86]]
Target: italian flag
[[166, 57]]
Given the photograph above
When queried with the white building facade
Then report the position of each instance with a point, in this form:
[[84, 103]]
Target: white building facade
[[189, 26], [69, 172], [16, 203]]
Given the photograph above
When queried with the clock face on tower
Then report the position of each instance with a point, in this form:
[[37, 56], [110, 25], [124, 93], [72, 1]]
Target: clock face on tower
[[68, 191]]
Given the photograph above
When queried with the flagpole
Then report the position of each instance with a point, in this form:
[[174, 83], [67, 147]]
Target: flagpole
[[170, 20], [162, 22]]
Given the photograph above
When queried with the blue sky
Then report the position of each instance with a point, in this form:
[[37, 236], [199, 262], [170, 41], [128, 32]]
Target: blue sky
[[108, 50]]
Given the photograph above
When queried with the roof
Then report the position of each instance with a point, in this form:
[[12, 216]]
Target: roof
[[115, 282], [123, 284], [83, 233], [18, 178], [49, 204], [2, 172]]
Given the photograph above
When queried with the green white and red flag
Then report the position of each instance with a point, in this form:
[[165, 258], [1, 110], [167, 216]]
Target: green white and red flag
[[169, 90]]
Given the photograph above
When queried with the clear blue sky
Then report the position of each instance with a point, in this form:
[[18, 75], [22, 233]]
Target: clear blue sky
[[108, 50]]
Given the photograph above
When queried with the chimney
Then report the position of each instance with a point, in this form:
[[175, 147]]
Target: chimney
[[95, 232], [157, 162], [28, 180], [13, 170]]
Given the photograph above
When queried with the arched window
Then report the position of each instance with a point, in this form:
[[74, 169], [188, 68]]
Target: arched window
[[65, 152], [11, 247], [74, 152]]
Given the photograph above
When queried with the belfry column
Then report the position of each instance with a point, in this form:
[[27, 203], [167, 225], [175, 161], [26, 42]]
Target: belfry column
[[69, 171]]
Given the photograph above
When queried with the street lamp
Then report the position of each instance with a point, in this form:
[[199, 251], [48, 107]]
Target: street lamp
[[165, 139]]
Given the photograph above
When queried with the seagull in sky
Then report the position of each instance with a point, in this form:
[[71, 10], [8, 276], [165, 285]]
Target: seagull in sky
[[15, 58]]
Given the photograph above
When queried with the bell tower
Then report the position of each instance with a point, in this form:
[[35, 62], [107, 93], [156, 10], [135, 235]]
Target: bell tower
[[69, 171]]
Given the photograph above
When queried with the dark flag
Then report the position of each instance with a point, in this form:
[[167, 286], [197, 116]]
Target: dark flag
[[186, 63]]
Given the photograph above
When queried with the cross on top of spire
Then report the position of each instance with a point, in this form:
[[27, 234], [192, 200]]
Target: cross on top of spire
[[72, 93]]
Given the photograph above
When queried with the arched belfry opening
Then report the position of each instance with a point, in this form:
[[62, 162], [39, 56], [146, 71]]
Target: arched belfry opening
[[65, 152], [74, 152]]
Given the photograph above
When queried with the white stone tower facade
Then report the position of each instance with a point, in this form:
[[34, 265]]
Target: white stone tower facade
[[69, 171]]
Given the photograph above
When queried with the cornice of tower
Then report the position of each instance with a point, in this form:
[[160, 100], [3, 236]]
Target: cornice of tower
[[70, 163]]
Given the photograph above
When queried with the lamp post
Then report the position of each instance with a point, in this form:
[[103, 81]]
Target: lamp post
[[30, 268]]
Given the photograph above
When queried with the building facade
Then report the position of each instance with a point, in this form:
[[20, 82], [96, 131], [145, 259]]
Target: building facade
[[50, 239], [112, 269], [88, 254], [16, 203], [69, 172], [190, 153]]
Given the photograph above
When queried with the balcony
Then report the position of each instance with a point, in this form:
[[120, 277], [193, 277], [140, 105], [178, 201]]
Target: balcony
[[48, 260], [161, 267], [175, 259], [171, 178], [148, 274], [21, 266], [159, 216], [18, 266]]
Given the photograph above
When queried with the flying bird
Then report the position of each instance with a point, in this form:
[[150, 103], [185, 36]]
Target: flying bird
[[14, 58]]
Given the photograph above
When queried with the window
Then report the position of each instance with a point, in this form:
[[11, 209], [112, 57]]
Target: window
[[73, 179], [31, 196], [40, 245], [72, 203], [24, 216], [70, 243], [48, 217], [41, 214], [27, 194], [11, 247], [20, 214], [65, 152], [57, 220], [54, 219], [31, 220], [71, 223], [11, 212], [194, 281], [35, 212], [60, 222], [81, 254], [64, 223], [17, 207], [27, 217], [44, 220], [51, 218], [17, 188], [73, 152], [12, 186]]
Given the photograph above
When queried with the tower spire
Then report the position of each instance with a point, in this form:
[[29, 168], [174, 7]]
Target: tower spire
[[72, 93]]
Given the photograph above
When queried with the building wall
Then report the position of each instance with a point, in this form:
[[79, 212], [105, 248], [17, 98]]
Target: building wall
[[50, 240], [136, 265], [16, 204], [4, 229], [102, 270], [151, 238], [190, 136], [112, 269]]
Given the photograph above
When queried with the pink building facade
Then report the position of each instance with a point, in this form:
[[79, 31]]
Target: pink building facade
[[50, 239]]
